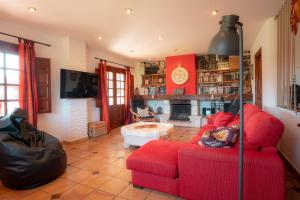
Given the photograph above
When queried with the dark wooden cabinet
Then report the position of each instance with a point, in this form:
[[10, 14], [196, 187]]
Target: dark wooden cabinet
[[43, 77]]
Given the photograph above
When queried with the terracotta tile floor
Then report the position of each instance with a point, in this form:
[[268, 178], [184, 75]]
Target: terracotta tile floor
[[96, 171]]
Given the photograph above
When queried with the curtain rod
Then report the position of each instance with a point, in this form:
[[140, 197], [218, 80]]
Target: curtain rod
[[112, 62], [48, 45]]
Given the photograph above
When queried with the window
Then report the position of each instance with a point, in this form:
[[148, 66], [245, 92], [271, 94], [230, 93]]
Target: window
[[120, 88], [9, 78], [288, 73], [296, 86], [115, 86], [110, 87]]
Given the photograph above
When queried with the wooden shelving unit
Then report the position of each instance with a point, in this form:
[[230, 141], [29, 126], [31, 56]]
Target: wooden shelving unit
[[219, 71], [156, 80], [152, 80], [221, 76]]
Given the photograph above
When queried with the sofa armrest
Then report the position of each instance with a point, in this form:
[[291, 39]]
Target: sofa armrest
[[207, 173]]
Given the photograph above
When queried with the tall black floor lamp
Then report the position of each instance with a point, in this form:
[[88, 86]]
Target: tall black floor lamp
[[229, 41]]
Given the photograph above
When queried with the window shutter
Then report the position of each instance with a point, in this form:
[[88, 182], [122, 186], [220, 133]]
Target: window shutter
[[43, 77]]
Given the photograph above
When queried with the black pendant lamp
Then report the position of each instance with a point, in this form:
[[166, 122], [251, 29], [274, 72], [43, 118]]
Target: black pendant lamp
[[229, 41], [226, 41]]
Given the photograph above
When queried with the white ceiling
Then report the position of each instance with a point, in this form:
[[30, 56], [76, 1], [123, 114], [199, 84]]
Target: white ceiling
[[186, 25]]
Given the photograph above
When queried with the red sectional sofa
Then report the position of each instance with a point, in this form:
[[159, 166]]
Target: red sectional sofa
[[192, 172]]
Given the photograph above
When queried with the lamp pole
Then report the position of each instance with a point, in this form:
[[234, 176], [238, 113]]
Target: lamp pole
[[241, 160], [229, 41]]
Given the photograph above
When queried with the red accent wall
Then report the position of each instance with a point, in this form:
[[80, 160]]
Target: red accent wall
[[189, 63]]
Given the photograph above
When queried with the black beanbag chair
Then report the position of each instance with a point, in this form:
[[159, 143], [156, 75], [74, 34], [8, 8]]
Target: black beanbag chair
[[23, 166]]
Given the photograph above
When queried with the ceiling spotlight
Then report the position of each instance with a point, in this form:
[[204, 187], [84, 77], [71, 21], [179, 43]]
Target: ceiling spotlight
[[128, 11], [32, 9], [215, 12], [99, 38], [160, 37]]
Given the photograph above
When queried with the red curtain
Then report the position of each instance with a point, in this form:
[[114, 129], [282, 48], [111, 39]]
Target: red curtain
[[28, 97], [103, 89], [128, 115], [295, 15]]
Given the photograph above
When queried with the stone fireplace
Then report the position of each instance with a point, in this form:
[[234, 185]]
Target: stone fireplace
[[186, 113], [180, 110]]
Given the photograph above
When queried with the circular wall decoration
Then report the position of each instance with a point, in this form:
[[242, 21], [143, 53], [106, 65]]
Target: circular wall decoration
[[180, 75]]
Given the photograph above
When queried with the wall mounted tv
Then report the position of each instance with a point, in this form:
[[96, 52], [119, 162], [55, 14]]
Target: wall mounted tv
[[76, 84]]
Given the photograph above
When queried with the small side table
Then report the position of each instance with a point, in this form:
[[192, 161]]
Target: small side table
[[140, 133], [96, 129]]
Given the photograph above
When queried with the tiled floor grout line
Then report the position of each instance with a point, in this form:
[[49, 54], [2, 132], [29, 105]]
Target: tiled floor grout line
[[148, 195]]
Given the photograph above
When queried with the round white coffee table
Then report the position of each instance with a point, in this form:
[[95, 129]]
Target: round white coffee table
[[140, 133]]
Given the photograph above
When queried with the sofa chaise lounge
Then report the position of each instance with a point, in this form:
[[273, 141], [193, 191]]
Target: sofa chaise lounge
[[195, 172]]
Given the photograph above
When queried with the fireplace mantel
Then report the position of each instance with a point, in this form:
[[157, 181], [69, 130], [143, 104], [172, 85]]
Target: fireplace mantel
[[203, 97]]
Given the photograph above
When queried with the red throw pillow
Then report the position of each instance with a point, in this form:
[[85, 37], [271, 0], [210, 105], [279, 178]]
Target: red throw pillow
[[263, 130], [222, 119]]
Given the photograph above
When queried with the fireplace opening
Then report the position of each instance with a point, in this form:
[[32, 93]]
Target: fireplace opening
[[180, 110]]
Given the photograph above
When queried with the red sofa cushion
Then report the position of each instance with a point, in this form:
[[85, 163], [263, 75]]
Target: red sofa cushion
[[263, 130], [222, 119], [249, 111], [246, 145], [157, 157], [211, 118]]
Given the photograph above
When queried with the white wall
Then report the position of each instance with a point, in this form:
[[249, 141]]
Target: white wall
[[69, 117], [75, 110], [266, 39], [289, 144], [139, 70]]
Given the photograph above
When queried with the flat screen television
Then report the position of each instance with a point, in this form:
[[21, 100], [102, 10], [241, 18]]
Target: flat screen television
[[76, 84]]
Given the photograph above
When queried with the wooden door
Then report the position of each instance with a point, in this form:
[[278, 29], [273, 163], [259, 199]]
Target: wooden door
[[116, 96], [258, 78]]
